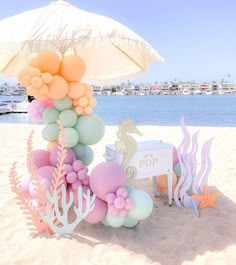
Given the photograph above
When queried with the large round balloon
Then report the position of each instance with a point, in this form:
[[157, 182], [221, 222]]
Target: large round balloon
[[130, 222], [69, 159], [80, 150], [107, 177], [63, 103], [88, 158], [98, 213], [76, 90], [71, 137], [46, 172], [24, 184], [143, 204], [48, 61], [41, 158], [50, 115], [91, 129], [72, 68], [68, 118], [50, 132], [115, 221], [58, 88]]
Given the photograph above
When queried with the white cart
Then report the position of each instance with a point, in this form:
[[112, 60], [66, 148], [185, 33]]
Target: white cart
[[152, 158]]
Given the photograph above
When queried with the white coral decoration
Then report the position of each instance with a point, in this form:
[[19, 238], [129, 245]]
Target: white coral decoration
[[52, 215]]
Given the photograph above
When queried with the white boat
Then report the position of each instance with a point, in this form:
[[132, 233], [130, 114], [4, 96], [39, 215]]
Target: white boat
[[187, 92], [197, 92]]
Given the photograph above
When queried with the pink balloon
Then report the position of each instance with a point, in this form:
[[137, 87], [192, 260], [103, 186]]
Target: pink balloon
[[98, 213], [48, 102], [41, 158], [24, 184], [46, 172], [70, 156], [74, 191], [175, 156], [107, 177]]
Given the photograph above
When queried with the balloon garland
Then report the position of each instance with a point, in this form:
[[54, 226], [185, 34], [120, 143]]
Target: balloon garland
[[65, 105]]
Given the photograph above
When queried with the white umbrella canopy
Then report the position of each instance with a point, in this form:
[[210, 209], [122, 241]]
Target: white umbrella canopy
[[109, 49]]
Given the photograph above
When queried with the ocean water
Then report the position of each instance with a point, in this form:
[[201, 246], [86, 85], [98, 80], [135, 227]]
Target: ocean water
[[201, 110]]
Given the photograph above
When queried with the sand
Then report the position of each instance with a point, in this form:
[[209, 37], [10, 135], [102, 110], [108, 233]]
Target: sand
[[169, 236]]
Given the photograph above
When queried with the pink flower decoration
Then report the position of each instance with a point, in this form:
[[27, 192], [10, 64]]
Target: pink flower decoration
[[119, 203], [35, 111]]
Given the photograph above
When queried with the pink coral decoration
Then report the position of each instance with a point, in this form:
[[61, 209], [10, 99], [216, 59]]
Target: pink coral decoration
[[119, 203]]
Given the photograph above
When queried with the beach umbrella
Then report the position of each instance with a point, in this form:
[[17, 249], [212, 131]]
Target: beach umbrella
[[109, 49]]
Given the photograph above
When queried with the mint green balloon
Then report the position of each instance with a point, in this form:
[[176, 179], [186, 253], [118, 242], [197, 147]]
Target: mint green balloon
[[71, 137], [115, 221], [63, 103], [80, 150], [177, 170], [50, 132], [129, 188], [91, 129], [130, 222], [50, 115], [68, 118], [88, 158], [104, 221], [143, 204]]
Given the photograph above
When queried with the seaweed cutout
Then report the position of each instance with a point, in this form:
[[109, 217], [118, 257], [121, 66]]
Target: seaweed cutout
[[81, 212], [190, 181], [34, 222]]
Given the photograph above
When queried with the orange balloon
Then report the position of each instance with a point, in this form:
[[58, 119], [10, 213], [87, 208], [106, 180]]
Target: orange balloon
[[88, 88], [72, 68], [58, 88], [36, 82], [47, 78], [49, 62], [27, 80], [83, 102], [43, 90], [34, 62], [92, 102], [88, 110], [38, 96], [52, 145], [79, 110], [24, 71], [31, 91], [76, 90]]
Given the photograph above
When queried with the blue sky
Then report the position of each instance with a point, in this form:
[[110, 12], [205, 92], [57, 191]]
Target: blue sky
[[197, 38]]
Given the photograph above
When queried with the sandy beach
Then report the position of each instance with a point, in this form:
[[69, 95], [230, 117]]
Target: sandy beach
[[170, 236]]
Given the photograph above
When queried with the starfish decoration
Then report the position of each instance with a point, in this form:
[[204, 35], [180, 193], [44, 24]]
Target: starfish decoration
[[207, 199]]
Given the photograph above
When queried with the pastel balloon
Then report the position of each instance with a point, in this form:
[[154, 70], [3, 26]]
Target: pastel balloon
[[50, 132], [63, 103], [69, 159], [50, 115], [68, 118], [163, 183], [41, 158], [115, 220], [46, 172], [36, 82], [72, 68], [49, 62], [177, 170], [58, 88], [175, 156], [98, 213], [143, 204], [35, 72], [88, 158], [47, 78], [107, 177], [76, 90], [130, 222], [71, 137], [24, 184], [80, 150], [34, 62], [91, 129], [52, 145], [22, 73]]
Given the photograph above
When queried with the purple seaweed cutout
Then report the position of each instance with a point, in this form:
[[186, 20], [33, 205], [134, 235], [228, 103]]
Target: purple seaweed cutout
[[190, 182]]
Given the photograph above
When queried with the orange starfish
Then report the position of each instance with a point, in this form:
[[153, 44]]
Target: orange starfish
[[207, 199]]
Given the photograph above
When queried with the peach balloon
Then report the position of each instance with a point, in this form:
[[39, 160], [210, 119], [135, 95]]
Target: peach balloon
[[75, 102], [24, 71], [49, 62], [34, 62], [47, 78], [88, 110], [35, 72], [31, 91], [162, 181], [38, 96], [36, 82], [83, 102], [58, 88], [43, 90], [76, 90], [88, 88], [27, 80], [52, 145], [72, 68], [92, 102], [79, 110]]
